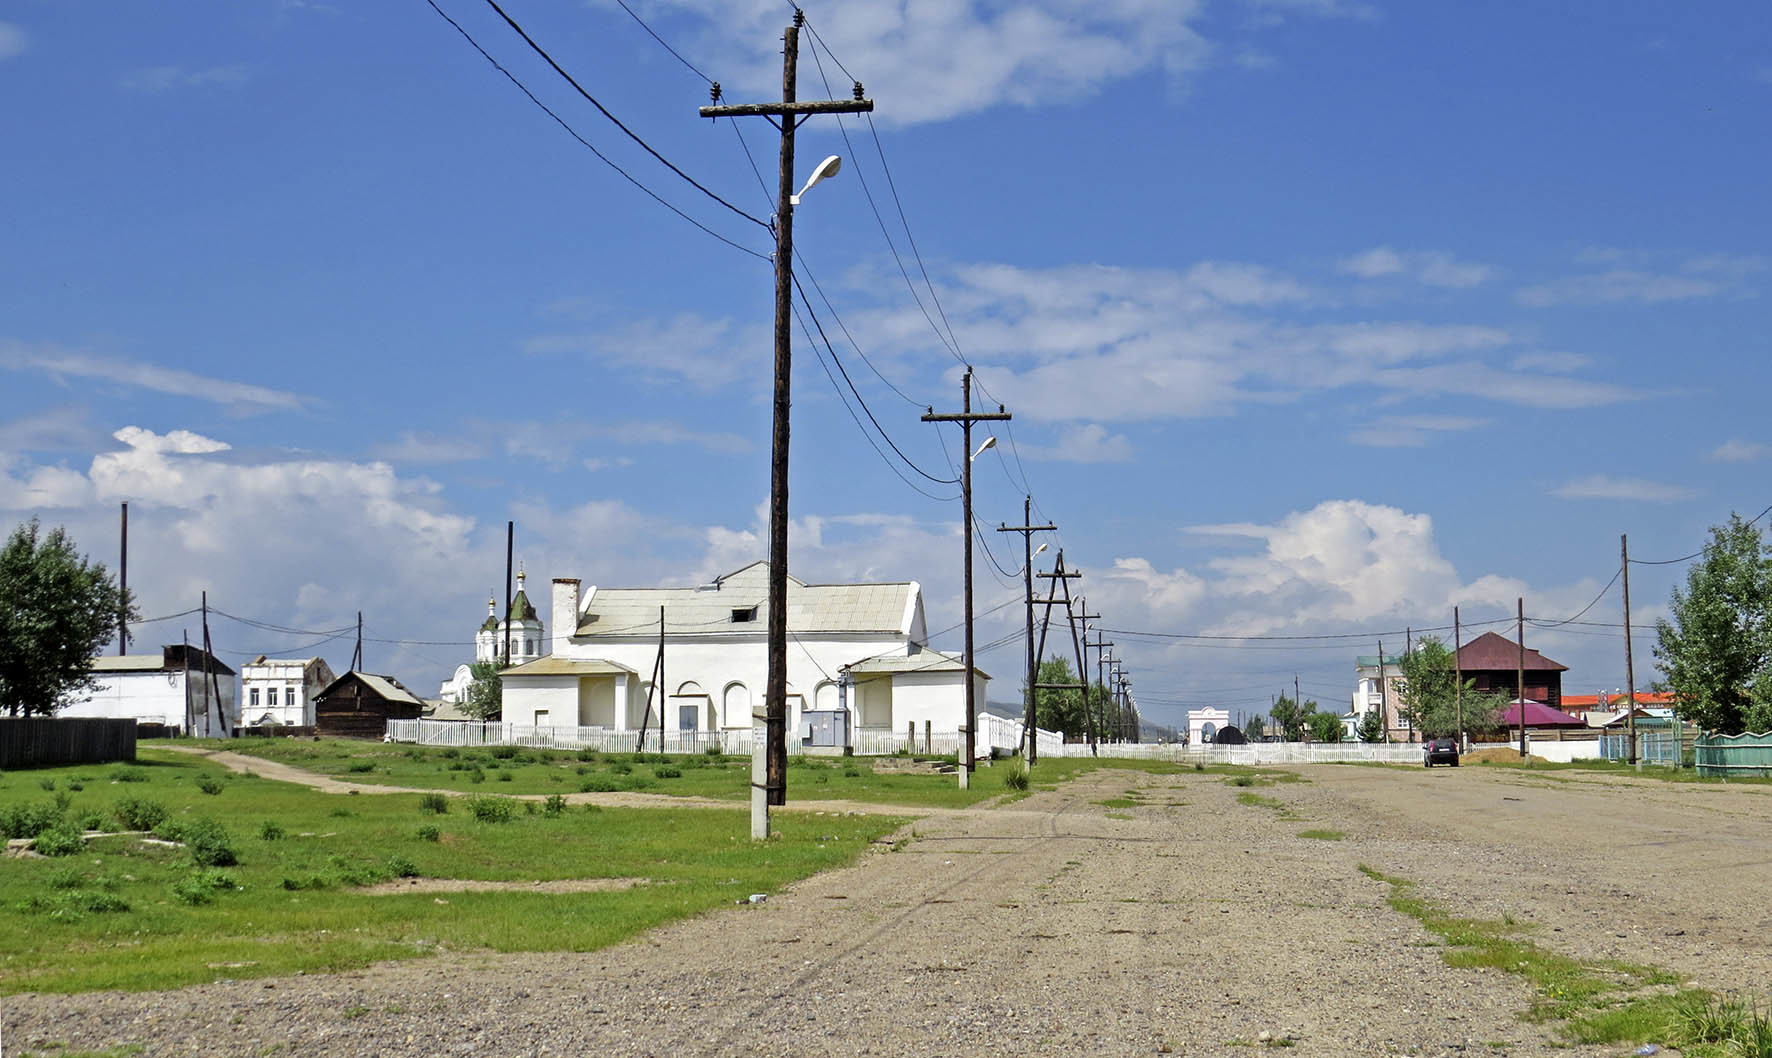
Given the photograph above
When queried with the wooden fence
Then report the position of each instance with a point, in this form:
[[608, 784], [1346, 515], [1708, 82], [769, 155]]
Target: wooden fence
[[32, 741], [1734, 756]]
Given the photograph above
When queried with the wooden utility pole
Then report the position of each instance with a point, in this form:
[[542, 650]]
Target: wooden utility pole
[[1058, 576], [1520, 676], [357, 655], [1458, 676], [1101, 659], [1027, 530], [785, 116], [1384, 721], [1630, 672], [655, 687], [966, 418], [510, 543], [123, 587]]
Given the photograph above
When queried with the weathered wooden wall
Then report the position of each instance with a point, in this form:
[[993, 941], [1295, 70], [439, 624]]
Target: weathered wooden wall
[[37, 740]]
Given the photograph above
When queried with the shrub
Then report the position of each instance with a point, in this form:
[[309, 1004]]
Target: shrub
[[850, 771], [401, 867], [61, 840], [270, 830], [92, 821], [128, 775], [29, 820], [587, 755], [476, 775], [434, 804], [452, 753], [312, 881], [490, 809], [199, 887], [209, 784], [528, 808], [360, 767], [341, 812], [621, 767], [430, 832], [138, 813], [504, 752], [505, 776], [1015, 779], [599, 784], [47, 784], [554, 807], [208, 843], [712, 751], [662, 772], [66, 878], [76, 785]]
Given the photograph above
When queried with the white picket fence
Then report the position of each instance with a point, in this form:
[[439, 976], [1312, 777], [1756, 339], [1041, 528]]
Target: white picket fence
[[994, 733]]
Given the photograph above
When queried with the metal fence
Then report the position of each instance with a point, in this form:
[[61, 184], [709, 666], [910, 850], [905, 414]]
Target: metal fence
[[1653, 747], [1734, 756]]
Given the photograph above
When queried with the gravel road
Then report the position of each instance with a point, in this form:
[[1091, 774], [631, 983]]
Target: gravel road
[[1051, 927]]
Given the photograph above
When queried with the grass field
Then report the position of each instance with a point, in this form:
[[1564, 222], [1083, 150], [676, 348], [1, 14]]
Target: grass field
[[124, 912], [514, 770]]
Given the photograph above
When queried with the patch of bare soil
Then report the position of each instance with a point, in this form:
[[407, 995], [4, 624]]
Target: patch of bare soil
[[470, 885]]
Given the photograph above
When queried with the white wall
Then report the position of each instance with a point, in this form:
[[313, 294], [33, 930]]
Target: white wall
[[555, 695], [156, 698]]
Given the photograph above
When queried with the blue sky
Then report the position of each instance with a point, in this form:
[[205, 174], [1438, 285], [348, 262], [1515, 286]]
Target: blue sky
[[1315, 317]]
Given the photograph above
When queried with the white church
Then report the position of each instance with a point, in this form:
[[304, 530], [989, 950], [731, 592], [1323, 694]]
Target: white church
[[527, 638], [858, 650]]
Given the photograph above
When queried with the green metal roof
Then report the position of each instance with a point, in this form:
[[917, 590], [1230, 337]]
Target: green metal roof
[[520, 608]]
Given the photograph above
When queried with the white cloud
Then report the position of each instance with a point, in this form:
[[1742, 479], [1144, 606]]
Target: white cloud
[[708, 354], [1617, 285], [154, 80], [1555, 363], [1607, 487], [1429, 267], [415, 448], [1082, 443], [937, 61], [53, 429], [1319, 8], [60, 363], [12, 41], [1736, 451], [1412, 431]]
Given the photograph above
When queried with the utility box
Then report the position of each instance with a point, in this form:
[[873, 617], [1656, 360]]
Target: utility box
[[824, 728]]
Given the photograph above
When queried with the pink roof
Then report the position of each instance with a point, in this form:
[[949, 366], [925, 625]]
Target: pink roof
[[1539, 715]]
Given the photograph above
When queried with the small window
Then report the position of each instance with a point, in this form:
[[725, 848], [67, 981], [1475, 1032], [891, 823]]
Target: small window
[[270, 696], [253, 696], [744, 616]]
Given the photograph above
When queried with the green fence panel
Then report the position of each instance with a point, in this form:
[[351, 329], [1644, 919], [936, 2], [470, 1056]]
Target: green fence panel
[[1734, 756]]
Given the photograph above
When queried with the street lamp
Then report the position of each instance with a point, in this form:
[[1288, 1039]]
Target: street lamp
[[826, 169], [989, 442]]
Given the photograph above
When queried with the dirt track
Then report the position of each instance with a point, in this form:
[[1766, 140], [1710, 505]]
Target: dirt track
[[1052, 928]]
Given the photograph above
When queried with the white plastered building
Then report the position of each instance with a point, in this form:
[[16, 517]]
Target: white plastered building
[[180, 688], [528, 639], [282, 690], [859, 649]]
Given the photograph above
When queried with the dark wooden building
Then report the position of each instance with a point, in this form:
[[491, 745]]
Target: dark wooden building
[[1493, 662], [360, 704]]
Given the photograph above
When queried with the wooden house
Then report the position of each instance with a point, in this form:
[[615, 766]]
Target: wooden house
[[1493, 662], [360, 704]]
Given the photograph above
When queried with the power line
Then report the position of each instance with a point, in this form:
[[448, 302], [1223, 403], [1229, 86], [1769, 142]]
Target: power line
[[647, 147], [858, 397], [663, 43], [1693, 555], [570, 131], [1584, 609]]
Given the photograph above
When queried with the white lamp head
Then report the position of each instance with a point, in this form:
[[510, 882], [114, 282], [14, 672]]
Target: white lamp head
[[989, 442], [827, 168], [1039, 549]]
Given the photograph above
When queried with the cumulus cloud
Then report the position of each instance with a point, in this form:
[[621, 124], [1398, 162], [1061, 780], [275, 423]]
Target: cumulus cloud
[[1428, 267], [62, 363], [1607, 487]]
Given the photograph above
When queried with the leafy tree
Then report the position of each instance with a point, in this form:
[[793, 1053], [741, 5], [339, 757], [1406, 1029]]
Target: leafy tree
[[1324, 727], [486, 696], [1254, 728], [1371, 727], [1715, 651], [57, 610], [1290, 717], [1428, 696], [1059, 710]]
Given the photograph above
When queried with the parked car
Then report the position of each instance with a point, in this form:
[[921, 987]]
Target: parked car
[[1439, 751]]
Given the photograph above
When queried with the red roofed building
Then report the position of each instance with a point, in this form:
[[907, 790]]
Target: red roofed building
[[1493, 662]]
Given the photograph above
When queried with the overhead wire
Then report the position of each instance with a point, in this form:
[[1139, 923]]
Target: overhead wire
[[580, 89], [574, 133]]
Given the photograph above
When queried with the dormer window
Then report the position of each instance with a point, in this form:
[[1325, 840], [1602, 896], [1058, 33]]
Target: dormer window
[[744, 616]]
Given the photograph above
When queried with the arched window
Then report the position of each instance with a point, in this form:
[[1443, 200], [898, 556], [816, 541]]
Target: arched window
[[824, 699], [690, 687], [736, 705]]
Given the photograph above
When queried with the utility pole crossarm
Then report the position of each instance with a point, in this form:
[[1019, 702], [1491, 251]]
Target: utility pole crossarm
[[1027, 529], [1069, 574], [1061, 686], [969, 417], [810, 106]]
